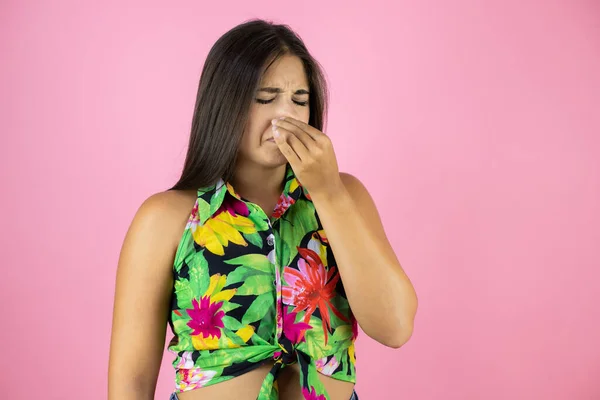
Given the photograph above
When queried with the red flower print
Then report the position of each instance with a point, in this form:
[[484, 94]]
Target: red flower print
[[283, 204], [312, 395], [293, 330], [354, 328], [206, 318], [311, 286]]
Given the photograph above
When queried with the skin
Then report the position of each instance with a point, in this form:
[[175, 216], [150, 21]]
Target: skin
[[379, 292]]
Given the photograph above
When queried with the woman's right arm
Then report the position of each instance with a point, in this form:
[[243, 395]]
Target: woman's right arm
[[142, 295]]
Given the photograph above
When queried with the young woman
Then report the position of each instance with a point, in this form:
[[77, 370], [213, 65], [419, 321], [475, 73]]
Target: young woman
[[263, 259]]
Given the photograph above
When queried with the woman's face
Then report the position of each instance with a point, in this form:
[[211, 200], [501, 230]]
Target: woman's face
[[283, 91]]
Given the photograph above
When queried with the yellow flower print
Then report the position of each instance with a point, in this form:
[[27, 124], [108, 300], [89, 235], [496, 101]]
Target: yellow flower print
[[293, 185], [316, 244], [226, 226], [351, 354], [217, 282], [245, 333], [212, 343]]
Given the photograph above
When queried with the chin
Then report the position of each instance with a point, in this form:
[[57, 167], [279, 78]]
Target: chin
[[267, 155], [273, 159]]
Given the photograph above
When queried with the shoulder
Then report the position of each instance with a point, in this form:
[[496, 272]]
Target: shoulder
[[350, 180], [163, 215], [362, 198], [167, 202], [354, 186]]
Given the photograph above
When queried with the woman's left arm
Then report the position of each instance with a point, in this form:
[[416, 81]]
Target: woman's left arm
[[380, 293]]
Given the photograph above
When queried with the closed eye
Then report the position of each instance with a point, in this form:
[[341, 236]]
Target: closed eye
[[300, 103]]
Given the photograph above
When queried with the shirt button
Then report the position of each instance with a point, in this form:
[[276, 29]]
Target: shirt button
[[270, 240]]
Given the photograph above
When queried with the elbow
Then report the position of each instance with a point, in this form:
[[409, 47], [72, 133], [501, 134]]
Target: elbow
[[394, 337], [395, 329], [400, 338]]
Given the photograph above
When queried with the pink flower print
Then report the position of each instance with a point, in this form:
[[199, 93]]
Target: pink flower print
[[194, 219], [327, 368], [279, 318], [206, 318], [194, 378], [283, 204], [293, 330], [312, 395], [354, 328], [233, 207]]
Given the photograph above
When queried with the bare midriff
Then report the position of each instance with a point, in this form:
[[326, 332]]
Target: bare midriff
[[247, 386]]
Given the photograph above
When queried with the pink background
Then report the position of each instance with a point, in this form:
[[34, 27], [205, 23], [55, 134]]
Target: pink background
[[474, 125]]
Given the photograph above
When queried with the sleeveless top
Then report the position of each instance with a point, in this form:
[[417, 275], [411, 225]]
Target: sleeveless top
[[250, 289]]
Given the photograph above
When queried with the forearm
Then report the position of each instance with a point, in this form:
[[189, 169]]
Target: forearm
[[380, 294]]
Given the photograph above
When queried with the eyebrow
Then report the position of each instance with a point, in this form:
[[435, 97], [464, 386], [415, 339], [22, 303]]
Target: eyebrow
[[278, 90]]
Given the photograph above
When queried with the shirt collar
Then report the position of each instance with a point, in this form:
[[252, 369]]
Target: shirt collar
[[215, 195]]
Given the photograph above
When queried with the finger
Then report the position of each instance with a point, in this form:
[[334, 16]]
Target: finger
[[300, 133], [295, 143], [311, 131], [287, 150]]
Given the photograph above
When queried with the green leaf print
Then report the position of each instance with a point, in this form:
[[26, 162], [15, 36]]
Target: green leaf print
[[256, 284], [259, 307], [198, 273], [303, 224], [236, 339], [228, 306], [342, 333], [260, 220], [203, 210], [266, 328], [231, 323], [259, 341], [254, 238], [341, 304], [267, 383], [184, 293], [240, 274], [214, 358], [181, 325], [183, 341], [183, 249], [314, 380], [259, 262], [217, 199], [315, 341]]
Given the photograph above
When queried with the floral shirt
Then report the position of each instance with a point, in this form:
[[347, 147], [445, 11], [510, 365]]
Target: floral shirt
[[250, 289]]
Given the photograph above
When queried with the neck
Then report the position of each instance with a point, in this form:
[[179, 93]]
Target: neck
[[255, 182]]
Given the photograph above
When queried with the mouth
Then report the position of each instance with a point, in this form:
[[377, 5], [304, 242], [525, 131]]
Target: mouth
[[270, 139]]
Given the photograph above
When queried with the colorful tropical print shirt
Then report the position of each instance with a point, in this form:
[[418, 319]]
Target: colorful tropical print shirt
[[250, 289]]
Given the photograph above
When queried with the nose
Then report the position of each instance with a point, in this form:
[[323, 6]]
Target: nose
[[287, 108]]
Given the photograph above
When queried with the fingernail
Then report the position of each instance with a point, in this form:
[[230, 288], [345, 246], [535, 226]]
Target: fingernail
[[274, 121], [276, 133]]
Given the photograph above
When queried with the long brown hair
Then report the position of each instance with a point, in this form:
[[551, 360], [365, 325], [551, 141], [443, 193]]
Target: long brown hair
[[228, 83]]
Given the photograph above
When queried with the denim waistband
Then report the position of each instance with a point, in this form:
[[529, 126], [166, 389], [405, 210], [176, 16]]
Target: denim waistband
[[353, 397]]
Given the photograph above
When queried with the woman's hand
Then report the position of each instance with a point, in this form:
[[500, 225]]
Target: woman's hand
[[310, 153]]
